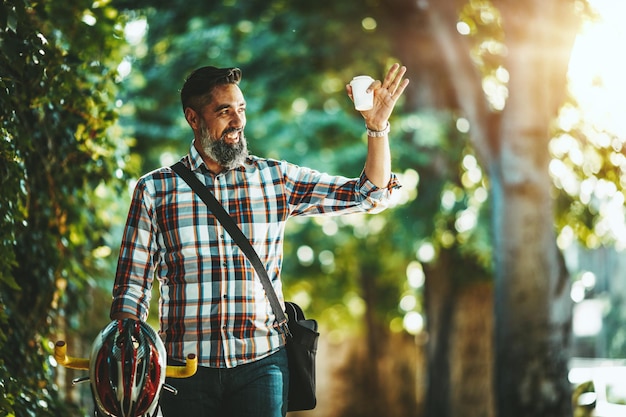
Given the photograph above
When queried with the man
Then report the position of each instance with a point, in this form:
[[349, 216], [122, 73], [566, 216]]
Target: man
[[211, 302]]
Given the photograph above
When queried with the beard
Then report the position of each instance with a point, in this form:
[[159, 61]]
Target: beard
[[226, 155]]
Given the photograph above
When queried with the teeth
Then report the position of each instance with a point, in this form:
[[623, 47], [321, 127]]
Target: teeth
[[232, 137]]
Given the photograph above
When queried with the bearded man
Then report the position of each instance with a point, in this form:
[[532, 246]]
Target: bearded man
[[211, 303]]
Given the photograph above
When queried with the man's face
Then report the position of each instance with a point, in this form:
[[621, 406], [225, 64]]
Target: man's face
[[221, 124]]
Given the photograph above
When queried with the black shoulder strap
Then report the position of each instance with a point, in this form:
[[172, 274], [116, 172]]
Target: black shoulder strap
[[235, 232]]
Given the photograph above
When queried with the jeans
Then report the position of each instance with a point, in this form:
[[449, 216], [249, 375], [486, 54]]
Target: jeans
[[257, 389]]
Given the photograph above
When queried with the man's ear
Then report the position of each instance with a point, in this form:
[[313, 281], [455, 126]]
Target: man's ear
[[192, 117]]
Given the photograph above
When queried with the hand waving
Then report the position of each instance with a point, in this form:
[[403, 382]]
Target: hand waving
[[386, 94]]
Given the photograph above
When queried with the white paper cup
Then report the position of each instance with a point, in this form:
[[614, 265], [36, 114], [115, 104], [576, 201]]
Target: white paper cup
[[362, 100]]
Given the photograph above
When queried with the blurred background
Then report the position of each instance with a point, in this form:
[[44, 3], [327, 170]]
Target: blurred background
[[494, 285]]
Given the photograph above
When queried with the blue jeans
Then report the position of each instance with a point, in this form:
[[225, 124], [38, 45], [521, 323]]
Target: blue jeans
[[257, 389]]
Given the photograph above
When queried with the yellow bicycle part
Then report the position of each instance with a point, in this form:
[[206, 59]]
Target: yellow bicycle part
[[60, 355]]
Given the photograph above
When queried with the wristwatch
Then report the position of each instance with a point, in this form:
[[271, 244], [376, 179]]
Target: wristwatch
[[378, 133]]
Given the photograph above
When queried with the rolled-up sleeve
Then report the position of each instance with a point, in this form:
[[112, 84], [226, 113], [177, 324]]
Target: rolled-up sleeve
[[378, 198], [315, 193]]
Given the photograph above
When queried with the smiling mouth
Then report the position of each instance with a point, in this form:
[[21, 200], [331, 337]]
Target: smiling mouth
[[232, 135]]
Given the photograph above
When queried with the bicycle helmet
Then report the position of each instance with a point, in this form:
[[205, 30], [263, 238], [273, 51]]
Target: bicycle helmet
[[127, 369]]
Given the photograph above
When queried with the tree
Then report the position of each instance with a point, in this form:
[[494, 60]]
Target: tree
[[57, 162], [522, 48]]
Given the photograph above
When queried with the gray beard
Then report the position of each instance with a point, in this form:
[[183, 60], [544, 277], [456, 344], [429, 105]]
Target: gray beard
[[227, 156]]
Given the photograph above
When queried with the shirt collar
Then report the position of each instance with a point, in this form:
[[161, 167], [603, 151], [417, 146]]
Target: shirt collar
[[195, 160]]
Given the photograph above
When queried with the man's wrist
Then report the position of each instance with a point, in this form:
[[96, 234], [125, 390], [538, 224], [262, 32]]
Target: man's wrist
[[378, 133]]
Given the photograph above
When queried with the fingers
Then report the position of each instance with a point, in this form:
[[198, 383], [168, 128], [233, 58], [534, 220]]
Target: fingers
[[392, 75], [394, 82], [375, 86], [400, 89]]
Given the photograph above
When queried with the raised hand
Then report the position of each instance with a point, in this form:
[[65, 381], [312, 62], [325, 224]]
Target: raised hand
[[386, 94]]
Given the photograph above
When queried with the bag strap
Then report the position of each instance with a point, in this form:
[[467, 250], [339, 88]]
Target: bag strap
[[235, 232]]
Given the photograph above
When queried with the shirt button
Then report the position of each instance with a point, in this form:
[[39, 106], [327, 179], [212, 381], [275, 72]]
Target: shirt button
[[224, 263], [225, 296]]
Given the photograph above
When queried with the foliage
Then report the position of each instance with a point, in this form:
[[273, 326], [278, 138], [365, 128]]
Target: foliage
[[59, 162], [590, 172]]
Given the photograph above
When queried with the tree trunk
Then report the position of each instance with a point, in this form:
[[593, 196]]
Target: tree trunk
[[532, 343], [439, 302], [471, 352], [532, 309], [459, 313], [371, 384], [533, 312], [460, 348]]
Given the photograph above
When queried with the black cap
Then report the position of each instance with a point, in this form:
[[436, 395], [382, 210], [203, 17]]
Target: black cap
[[202, 81]]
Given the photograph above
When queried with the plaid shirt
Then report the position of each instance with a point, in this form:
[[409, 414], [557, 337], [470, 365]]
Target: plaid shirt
[[211, 302]]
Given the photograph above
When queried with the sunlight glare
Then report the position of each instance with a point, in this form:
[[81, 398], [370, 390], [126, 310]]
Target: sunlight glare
[[426, 252], [408, 302], [415, 275], [413, 322], [462, 125], [135, 30], [597, 68], [463, 28], [330, 228], [305, 255]]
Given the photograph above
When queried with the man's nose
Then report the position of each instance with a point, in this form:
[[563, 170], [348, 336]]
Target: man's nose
[[237, 120]]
